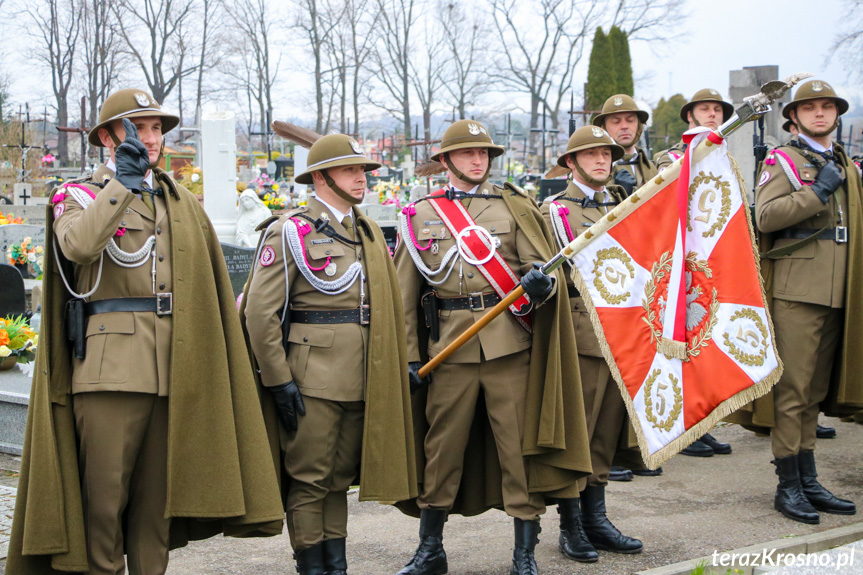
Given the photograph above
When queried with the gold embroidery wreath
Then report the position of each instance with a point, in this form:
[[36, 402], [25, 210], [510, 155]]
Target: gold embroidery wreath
[[668, 422], [611, 254], [724, 189], [659, 271], [750, 359]]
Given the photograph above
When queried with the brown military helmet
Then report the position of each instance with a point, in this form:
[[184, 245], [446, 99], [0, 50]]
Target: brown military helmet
[[787, 125], [587, 137], [334, 151], [814, 90], [707, 95], [129, 103], [620, 103], [467, 134]]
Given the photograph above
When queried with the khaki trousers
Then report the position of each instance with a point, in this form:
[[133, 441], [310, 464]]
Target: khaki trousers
[[322, 458], [606, 414], [452, 398], [122, 454], [807, 338]]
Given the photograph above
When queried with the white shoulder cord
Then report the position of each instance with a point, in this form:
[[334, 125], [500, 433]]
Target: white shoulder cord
[[789, 172], [427, 272], [291, 240]]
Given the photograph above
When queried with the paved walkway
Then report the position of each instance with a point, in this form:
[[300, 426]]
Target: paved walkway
[[7, 506]]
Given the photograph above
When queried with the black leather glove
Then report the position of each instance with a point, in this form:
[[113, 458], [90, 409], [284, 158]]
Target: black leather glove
[[414, 378], [289, 402], [828, 181], [625, 179], [132, 159], [536, 284]]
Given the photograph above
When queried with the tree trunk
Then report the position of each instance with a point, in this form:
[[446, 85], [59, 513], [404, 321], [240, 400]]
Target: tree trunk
[[63, 137]]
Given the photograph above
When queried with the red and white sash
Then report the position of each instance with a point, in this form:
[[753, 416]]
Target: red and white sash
[[496, 270]]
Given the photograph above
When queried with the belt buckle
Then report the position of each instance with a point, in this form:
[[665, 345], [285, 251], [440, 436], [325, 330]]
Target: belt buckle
[[365, 315], [164, 303], [841, 235], [471, 298]]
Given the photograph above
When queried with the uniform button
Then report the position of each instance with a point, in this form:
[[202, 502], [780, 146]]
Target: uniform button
[[123, 224], [359, 258], [470, 274], [327, 252], [159, 230], [305, 340], [492, 229], [161, 258], [113, 201], [161, 286], [101, 328]]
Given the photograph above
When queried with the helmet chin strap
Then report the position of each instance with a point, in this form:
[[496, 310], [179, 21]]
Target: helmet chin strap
[[812, 134], [340, 192], [464, 178], [589, 179]]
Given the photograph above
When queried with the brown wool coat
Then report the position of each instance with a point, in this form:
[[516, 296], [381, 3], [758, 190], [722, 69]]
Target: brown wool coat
[[216, 434]]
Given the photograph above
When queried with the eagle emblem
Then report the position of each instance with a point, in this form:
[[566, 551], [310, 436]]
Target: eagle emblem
[[714, 93], [618, 101], [473, 129], [598, 132], [817, 86], [355, 146], [142, 99]]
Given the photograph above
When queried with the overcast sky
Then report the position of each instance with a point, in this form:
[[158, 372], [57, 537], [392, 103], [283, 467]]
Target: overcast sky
[[718, 36]]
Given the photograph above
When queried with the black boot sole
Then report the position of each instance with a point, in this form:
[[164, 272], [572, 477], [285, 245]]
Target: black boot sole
[[797, 519], [615, 550], [579, 559], [823, 509]]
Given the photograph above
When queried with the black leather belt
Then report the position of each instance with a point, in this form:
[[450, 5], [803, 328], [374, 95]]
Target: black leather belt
[[474, 301], [162, 304], [360, 315], [573, 291], [838, 234]]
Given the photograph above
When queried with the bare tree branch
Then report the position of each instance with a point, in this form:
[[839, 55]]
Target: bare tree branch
[[849, 41]]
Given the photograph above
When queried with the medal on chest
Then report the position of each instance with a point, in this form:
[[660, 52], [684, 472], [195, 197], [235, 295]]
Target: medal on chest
[[330, 269]]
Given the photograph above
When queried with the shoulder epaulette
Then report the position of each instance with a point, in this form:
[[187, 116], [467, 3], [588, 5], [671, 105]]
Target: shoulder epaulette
[[266, 223], [516, 189]]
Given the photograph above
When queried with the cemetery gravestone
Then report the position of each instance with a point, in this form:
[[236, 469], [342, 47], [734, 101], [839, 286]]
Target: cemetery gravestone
[[239, 261], [14, 233]]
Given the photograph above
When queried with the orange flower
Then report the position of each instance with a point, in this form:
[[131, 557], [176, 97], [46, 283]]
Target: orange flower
[[4, 337]]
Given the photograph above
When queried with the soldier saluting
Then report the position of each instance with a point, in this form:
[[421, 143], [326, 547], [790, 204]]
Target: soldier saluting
[[326, 330], [461, 249], [149, 420], [808, 208]]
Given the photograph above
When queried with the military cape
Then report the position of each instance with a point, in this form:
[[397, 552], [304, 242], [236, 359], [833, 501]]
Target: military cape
[[220, 477]]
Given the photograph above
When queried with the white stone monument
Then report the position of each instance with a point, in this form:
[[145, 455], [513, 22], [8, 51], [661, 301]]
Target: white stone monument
[[22, 194], [301, 160], [219, 162]]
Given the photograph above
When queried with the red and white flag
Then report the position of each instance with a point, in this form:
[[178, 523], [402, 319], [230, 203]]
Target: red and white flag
[[672, 279]]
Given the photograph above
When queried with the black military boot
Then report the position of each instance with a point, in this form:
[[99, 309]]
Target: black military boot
[[717, 446], [789, 500], [648, 472], [430, 557], [824, 432], [619, 474], [698, 449], [310, 561], [335, 558], [820, 498], [600, 531], [573, 540], [526, 538]]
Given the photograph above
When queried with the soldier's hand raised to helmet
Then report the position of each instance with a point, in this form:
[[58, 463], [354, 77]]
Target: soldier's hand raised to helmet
[[828, 181], [131, 158]]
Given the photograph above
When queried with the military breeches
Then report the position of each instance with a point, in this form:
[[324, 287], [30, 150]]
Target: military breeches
[[606, 415], [322, 459], [807, 338], [450, 409], [123, 454]]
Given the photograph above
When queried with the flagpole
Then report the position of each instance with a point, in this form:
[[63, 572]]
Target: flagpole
[[752, 108]]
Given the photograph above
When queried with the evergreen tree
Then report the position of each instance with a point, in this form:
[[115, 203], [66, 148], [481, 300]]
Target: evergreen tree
[[667, 125], [619, 43], [601, 76]]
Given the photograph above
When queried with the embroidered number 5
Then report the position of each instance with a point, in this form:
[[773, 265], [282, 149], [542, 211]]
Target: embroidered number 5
[[702, 205]]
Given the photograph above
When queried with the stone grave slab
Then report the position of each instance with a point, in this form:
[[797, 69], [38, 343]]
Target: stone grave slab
[[239, 261], [15, 233]]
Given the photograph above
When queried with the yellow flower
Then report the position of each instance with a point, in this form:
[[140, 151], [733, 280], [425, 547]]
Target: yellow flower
[[5, 351]]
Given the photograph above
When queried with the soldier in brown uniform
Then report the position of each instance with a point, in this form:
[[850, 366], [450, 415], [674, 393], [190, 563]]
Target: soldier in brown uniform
[[808, 205], [454, 278], [706, 108], [146, 271], [326, 327], [624, 122], [589, 156]]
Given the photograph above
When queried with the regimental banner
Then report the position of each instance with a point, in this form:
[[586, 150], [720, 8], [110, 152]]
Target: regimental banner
[[676, 300]]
